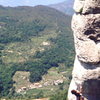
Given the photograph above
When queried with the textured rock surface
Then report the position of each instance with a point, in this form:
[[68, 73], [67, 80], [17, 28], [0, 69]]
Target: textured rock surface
[[86, 30], [87, 37], [87, 6], [86, 79], [91, 6], [78, 5]]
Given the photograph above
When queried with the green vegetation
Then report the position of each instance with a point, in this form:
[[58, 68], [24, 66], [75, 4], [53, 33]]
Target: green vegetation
[[34, 39], [61, 95]]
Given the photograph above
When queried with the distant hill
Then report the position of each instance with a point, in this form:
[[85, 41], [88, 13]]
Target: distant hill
[[33, 40], [66, 7], [48, 18]]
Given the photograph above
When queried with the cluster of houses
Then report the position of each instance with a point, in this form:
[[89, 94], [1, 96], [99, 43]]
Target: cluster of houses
[[39, 85]]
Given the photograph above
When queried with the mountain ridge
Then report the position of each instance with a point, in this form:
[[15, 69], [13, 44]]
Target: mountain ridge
[[65, 7]]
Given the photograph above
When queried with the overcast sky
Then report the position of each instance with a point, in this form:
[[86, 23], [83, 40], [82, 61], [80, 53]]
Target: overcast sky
[[28, 2]]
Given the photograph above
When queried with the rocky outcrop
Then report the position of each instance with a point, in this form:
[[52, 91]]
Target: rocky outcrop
[[87, 6], [86, 29]]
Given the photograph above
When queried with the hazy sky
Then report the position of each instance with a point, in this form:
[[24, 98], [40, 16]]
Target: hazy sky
[[28, 2]]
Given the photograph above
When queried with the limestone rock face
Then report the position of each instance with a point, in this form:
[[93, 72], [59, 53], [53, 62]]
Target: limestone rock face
[[87, 6], [86, 79], [78, 5], [91, 6], [87, 36], [86, 30]]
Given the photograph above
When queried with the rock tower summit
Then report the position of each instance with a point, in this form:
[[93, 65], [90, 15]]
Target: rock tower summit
[[86, 72]]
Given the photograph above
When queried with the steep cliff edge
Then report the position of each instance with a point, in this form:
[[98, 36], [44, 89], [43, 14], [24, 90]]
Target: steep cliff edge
[[86, 72]]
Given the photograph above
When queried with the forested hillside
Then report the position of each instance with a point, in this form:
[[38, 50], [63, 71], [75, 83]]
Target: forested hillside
[[32, 39]]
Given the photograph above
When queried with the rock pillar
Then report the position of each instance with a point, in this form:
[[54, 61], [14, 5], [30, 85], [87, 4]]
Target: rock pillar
[[86, 73]]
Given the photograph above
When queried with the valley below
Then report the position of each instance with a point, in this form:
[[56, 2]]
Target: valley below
[[36, 53]]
